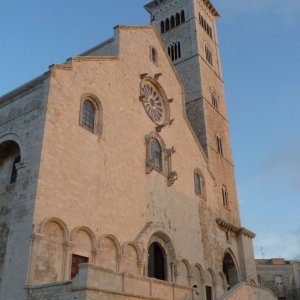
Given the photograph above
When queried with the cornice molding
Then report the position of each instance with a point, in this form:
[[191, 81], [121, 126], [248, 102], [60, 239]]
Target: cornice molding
[[235, 229]]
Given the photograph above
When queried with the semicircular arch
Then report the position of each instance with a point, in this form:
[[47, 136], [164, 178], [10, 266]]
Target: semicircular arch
[[59, 222]]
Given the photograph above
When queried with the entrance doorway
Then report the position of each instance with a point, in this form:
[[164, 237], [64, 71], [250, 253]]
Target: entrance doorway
[[156, 262], [76, 261], [230, 270]]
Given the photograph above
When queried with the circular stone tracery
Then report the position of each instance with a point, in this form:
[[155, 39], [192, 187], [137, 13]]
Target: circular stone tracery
[[153, 103]]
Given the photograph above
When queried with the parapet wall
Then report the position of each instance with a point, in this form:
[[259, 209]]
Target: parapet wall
[[94, 282], [243, 291]]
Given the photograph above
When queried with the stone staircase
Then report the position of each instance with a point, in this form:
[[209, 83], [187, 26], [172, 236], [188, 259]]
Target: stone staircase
[[245, 291]]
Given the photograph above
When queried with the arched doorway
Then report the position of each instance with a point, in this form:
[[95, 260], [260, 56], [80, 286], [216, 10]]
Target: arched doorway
[[157, 262], [230, 270]]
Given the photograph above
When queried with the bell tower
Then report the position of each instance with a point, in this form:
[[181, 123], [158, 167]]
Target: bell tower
[[188, 30]]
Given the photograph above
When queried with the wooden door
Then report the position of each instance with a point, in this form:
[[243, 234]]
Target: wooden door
[[76, 261]]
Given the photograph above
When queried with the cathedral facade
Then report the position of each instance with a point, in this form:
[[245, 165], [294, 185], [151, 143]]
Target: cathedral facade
[[116, 172]]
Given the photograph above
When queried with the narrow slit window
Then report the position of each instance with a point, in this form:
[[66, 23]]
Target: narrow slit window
[[178, 19], [208, 55], [153, 54], [167, 27], [14, 173], [219, 145], [225, 196], [172, 22], [162, 27], [182, 16], [214, 101]]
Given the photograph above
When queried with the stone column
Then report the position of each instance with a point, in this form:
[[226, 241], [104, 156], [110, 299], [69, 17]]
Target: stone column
[[68, 246]]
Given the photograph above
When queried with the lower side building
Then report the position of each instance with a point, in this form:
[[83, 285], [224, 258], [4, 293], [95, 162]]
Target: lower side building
[[281, 276]]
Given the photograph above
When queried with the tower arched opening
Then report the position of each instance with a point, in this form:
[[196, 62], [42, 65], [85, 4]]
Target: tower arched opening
[[230, 270], [10, 156]]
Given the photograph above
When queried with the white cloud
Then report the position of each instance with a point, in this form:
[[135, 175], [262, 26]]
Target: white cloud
[[286, 245]]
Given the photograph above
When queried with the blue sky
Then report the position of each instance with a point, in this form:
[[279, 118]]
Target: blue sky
[[260, 50]]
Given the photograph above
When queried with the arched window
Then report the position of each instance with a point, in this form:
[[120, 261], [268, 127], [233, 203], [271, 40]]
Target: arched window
[[14, 173], [153, 54], [172, 22], [219, 145], [162, 27], [225, 196], [156, 154], [179, 50], [88, 115], [156, 262], [199, 184], [208, 55], [178, 19], [10, 157], [214, 101], [174, 50], [182, 16], [91, 114], [167, 26]]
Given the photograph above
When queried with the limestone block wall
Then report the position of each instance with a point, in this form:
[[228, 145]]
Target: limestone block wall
[[268, 270], [54, 245], [249, 292], [22, 118], [100, 183]]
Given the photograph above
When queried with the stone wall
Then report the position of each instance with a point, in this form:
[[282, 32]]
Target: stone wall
[[279, 276], [97, 283], [243, 291], [22, 118]]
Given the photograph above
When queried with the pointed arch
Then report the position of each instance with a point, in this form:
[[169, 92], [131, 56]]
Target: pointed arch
[[230, 268]]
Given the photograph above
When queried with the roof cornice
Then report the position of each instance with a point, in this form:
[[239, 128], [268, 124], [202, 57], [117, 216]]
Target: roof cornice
[[153, 4]]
